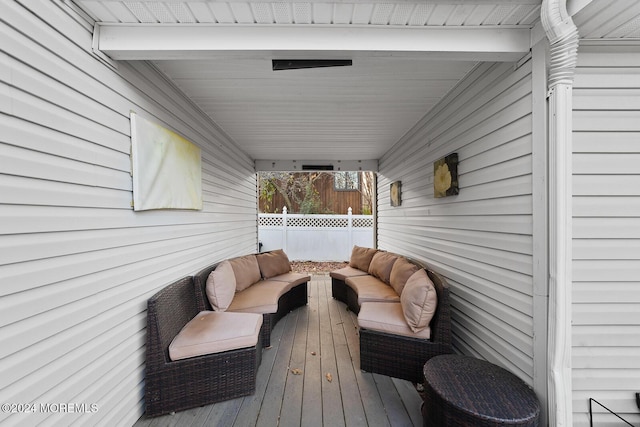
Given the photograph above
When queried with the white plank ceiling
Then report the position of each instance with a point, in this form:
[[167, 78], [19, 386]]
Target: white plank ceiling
[[348, 113]]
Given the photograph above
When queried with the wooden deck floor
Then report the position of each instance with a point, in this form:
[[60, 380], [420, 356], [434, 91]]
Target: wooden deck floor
[[319, 339]]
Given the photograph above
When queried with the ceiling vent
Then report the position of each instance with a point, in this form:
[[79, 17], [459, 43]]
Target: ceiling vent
[[297, 64], [317, 167]]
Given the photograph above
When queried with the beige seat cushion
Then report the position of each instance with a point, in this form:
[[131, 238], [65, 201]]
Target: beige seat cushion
[[293, 279], [348, 271], [381, 265], [273, 263], [261, 298], [400, 272], [214, 332], [419, 301], [221, 286], [246, 270], [370, 288], [361, 257], [387, 317]]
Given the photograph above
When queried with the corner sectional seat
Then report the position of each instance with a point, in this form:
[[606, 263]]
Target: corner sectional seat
[[262, 283], [205, 333], [403, 311]]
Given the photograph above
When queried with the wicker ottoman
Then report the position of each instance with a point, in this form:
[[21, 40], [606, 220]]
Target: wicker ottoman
[[464, 391]]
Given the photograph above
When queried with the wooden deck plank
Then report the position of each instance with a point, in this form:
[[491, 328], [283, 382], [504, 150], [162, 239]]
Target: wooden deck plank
[[410, 399], [369, 395], [393, 405], [250, 409], [318, 339], [270, 410], [332, 410], [353, 409], [291, 412], [312, 393]]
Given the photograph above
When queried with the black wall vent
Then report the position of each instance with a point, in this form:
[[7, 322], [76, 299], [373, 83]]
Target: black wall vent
[[317, 167], [296, 64]]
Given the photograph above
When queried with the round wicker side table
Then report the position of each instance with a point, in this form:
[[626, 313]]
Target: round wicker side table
[[464, 391]]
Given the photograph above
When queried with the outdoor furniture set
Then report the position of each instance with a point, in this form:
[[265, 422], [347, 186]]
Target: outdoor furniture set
[[403, 311], [205, 333]]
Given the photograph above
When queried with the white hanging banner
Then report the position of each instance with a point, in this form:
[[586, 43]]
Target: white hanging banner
[[167, 168]]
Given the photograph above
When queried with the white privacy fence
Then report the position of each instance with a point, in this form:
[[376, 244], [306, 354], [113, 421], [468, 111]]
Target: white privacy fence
[[315, 237]]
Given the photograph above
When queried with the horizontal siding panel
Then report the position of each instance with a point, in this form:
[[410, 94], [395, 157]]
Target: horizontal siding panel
[[78, 264], [512, 322], [606, 314], [607, 379], [606, 336], [621, 78], [606, 249], [606, 270], [606, 358], [622, 121], [605, 142], [609, 291], [606, 228], [44, 140], [603, 206], [43, 86], [21, 162], [517, 243], [19, 190], [504, 344], [606, 164], [26, 219], [606, 185], [481, 239], [497, 172], [30, 108], [606, 99]]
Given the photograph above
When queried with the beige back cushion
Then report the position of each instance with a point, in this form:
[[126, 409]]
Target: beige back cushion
[[361, 257], [381, 265], [400, 273], [221, 286], [419, 301], [273, 263], [246, 270]]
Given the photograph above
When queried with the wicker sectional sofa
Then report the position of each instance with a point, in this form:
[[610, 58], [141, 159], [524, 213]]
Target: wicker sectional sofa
[[264, 284], [205, 333], [403, 311]]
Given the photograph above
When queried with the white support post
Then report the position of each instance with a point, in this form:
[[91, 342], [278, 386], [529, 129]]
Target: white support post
[[284, 229], [350, 227]]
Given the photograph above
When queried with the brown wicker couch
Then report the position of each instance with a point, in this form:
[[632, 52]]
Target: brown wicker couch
[[188, 383], [393, 354], [296, 296]]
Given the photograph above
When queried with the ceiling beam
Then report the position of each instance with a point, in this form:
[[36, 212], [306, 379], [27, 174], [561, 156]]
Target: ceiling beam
[[202, 41]]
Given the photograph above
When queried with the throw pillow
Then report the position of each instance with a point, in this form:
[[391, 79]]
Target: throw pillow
[[246, 270], [221, 286], [400, 273], [361, 257], [381, 265], [273, 263], [419, 301]]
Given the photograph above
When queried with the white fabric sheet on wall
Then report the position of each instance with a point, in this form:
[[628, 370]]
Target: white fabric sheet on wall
[[167, 168]]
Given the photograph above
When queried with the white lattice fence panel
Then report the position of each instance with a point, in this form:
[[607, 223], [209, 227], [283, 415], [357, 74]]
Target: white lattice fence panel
[[270, 221], [317, 222], [363, 222], [315, 237]]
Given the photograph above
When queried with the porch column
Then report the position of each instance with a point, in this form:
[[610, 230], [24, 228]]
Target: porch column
[[563, 39]]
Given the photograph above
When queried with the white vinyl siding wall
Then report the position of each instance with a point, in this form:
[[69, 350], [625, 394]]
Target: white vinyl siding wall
[[77, 264], [606, 233], [480, 240]]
